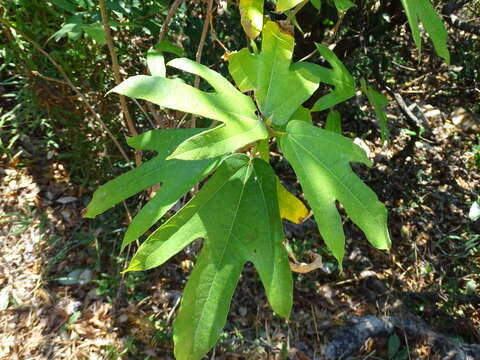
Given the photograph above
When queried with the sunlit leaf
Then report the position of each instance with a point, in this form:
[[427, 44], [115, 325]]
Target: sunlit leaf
[[251, 12], [237, 214], [291, 208], [338, 76], [321, 159], [175, 176], [424, 12], [226, 104], [279, 87]]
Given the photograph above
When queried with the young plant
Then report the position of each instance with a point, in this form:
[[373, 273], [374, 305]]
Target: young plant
[[238, 211]]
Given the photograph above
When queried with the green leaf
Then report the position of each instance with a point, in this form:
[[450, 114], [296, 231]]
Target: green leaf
[[65, 5], [156, 60], [321, 159], [176, 178], [279, 87], [237, 214], [343, 5], [251, 12], [317, 4], [393, 345], [283, 5], [378, 100], [334, 122], [226, 104], [423, 10], [338, 76], [96, 32]]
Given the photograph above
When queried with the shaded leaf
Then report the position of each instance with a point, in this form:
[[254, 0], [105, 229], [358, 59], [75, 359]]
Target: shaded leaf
[[343, 5], [96, 32], [271, 76], [334, 122], [338, 76], [321, 159], [226, 104], [378, 101], [423, 11]]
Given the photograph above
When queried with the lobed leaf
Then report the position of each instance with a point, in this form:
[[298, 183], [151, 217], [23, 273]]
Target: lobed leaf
[[226, 104], [321, 159], [271, 76], [176, 177], [338, 76], [237, 214]]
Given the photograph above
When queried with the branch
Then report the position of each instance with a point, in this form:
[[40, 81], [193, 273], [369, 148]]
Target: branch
[[171, 12], [201, 45], [117, 75], [69, 83]]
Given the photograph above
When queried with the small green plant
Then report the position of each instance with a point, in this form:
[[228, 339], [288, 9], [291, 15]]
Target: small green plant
[[238, 210]]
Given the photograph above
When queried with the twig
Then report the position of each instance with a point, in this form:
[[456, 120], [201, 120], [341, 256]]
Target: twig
[[171, 12], [144, 112], [69, 83], [36, 73], [201, 45], [117, 75]]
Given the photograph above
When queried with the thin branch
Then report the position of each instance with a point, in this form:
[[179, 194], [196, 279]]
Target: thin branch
[[201, 45], [203, 38], [117, 75], [171, 12], [69, 83]]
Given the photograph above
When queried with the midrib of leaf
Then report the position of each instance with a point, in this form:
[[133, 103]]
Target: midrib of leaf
[[335, 177], [227, 243]]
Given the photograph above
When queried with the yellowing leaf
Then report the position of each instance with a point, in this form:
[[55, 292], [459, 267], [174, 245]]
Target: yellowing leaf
[[291, 208], [251, 12]]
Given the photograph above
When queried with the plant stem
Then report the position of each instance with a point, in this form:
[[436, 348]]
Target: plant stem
[[117, 75], [201, 45]]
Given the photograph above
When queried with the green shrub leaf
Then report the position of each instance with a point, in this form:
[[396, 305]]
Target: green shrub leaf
[[226, 104], [338, 76], [279, 87], [176, 178], [334, 122], [237, 214], [423, 10], [321, 159], [378, 101]]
